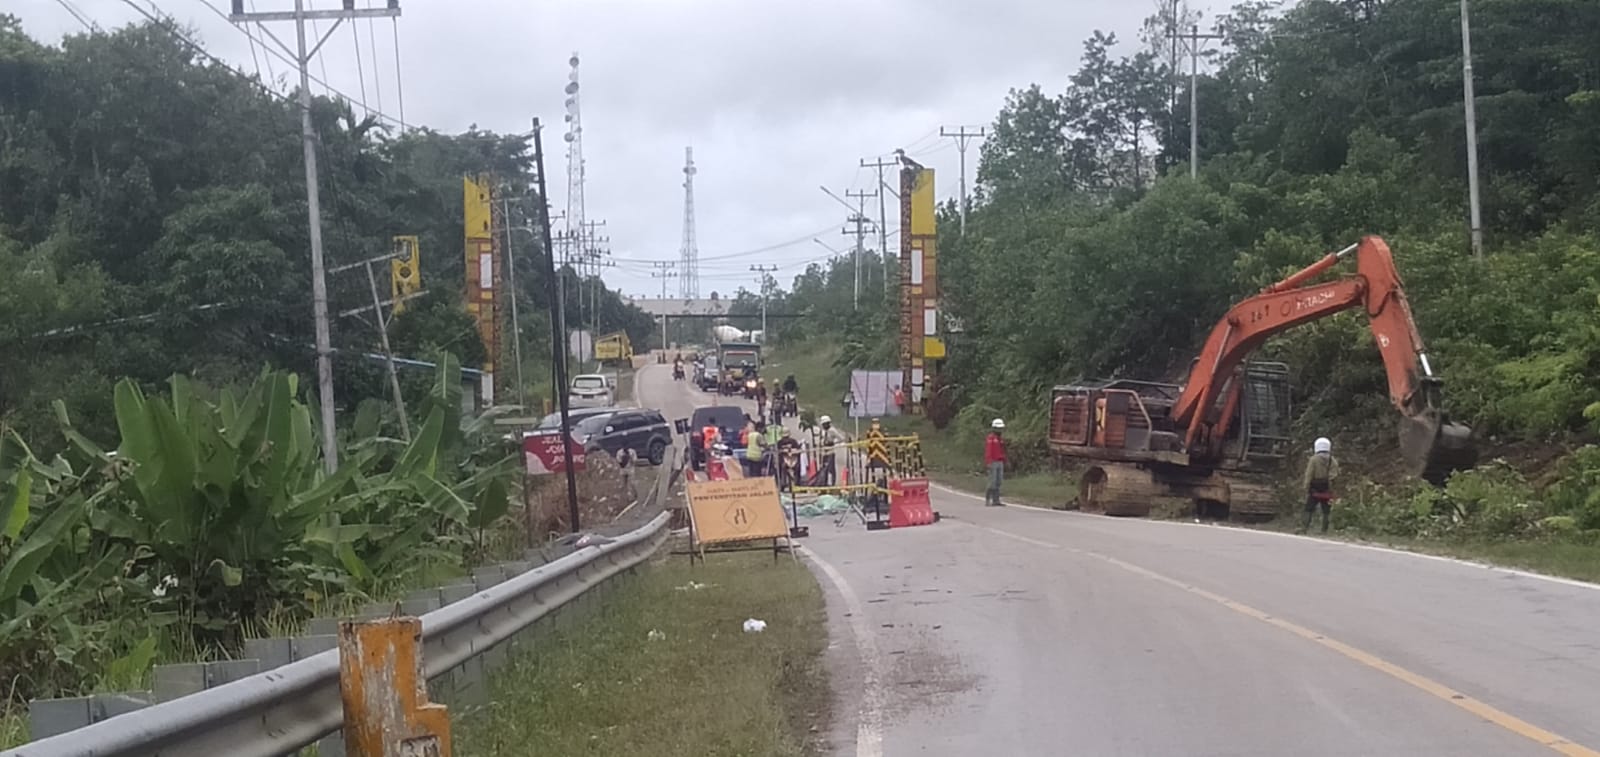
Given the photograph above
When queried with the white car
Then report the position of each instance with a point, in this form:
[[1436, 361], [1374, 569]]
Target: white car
[[590, 390]]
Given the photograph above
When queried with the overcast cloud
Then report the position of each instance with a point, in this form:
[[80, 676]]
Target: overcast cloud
[[777, 98]]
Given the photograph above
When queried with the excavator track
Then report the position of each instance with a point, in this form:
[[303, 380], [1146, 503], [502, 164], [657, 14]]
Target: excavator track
[[1122, 490]]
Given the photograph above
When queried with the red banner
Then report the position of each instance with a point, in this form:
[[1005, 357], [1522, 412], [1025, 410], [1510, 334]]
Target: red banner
[[541, 452]]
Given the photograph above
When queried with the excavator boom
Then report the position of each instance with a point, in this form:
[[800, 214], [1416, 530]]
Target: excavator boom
[[1431, 444]]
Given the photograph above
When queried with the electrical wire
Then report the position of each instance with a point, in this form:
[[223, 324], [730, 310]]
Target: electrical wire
[[76, 14], [321, 60], [279, 55], [372, 42], [262, 32], [399, 79], [361, 69]]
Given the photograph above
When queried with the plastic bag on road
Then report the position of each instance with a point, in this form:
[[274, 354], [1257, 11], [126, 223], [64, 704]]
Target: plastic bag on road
[[755, 626]]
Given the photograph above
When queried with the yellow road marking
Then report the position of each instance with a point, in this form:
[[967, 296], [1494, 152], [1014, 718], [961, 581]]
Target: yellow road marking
[[1477, 707]]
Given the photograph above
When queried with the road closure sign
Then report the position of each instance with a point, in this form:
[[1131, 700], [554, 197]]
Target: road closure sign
[[735, 510], [541, 453]]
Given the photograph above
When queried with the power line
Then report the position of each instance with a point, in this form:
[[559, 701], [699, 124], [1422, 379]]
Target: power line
[[76, 14], [399, 77], [361, 69], [377, 75], [319, 286], [962, 137], [282, 56]]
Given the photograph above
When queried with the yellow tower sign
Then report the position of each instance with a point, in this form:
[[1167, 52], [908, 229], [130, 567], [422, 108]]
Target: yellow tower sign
[[920, 344], [482, 275]]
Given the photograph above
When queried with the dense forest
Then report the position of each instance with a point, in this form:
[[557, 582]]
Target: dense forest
[[153, 221], [1328, 121], [162, 495]]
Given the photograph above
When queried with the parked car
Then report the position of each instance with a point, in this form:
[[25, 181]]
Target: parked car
[[575, 414], [644, 431], [590, 390]]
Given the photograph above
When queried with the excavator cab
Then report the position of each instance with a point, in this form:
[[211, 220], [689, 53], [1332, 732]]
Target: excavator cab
[[1432, 445]]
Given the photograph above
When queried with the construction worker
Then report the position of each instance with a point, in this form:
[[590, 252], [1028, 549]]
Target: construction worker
[[994, 456], [1321, 469], [754, 444], [831, 438]]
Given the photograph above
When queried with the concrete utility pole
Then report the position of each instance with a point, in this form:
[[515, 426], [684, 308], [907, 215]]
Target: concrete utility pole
[[557, 349], [664, 271], [883, 215], [861, 221], [511, 281], [383, 331], [762, 272], [962, 137], [319, 282], [1472, 133], [1194, 37]]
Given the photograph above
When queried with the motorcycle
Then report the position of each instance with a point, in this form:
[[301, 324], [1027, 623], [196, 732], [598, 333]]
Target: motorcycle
[[677, 372], [750, 388]]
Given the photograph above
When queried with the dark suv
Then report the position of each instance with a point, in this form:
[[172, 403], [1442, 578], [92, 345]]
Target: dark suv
[[643, 431], [729, 421]]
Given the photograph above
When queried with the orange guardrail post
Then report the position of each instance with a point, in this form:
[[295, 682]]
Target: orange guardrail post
[[385, 694]]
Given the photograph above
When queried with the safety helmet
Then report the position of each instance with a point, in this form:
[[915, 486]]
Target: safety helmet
[[997, 423], [825, 420], [1322, 445]]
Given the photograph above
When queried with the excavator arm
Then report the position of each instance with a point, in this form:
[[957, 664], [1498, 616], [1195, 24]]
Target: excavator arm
[[1432, 446]]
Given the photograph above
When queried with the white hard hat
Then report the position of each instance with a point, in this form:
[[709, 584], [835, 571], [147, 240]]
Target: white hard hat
[[824, 419], [1322, 445], [997, 424]]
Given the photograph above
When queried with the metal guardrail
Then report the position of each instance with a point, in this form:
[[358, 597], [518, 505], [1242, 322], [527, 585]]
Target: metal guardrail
[[284, 709]]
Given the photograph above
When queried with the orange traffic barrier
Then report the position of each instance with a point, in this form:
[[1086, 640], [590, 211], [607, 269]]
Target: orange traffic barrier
[[909, 503]]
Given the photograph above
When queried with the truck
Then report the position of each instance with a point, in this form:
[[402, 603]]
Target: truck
[[613, 348], [1214, 440], [739, 365]]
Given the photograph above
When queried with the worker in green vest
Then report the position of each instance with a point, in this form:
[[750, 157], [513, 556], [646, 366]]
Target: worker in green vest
[[754, 447]]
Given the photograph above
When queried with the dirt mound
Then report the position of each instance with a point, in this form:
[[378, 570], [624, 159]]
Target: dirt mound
[[605, 490]]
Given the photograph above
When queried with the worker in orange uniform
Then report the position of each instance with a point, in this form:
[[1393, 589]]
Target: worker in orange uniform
[[1321, 469], [994, 456]]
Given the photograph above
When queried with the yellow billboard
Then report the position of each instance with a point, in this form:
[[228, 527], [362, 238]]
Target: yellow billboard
[[482, 275]]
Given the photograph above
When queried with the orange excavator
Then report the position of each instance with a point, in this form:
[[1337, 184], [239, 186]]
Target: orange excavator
[[1215, 440]]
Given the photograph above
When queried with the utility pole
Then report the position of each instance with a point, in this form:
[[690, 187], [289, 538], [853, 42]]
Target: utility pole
[[557, 349], [1194, 37], [319, 283], [883, 215], [762, 272], [383, 331], [511, 281], [861, 222], [962, 137], [1472, 133], [664, 271]]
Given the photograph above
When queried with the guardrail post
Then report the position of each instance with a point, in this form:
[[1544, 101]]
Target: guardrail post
[[386, 707]]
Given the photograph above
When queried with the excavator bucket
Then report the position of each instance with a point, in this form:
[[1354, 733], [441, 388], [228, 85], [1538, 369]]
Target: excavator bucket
[[1434, 447]]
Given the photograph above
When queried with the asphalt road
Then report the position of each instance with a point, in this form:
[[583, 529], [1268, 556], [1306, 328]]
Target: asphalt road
[[1013, 631]]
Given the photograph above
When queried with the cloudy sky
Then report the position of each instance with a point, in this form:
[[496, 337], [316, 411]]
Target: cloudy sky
[[777, 98]]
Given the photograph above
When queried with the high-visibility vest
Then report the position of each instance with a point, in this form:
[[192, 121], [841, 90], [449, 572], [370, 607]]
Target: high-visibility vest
[[752, 448]]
